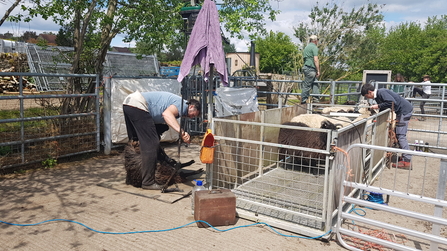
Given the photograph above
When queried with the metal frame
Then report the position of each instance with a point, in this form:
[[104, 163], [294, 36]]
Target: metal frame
[[438, 201], [267, 189], [25, 140]]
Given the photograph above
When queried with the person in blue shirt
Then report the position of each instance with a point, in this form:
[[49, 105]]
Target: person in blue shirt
[[404, 110], [147, 116]]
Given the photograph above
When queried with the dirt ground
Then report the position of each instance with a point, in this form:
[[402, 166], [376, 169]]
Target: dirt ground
[[92, 192]]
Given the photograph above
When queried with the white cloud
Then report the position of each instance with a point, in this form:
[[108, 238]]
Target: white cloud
[[292, 13]]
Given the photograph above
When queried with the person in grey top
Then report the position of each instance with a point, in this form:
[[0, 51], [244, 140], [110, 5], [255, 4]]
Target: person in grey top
[[404, 110], [147, 116]]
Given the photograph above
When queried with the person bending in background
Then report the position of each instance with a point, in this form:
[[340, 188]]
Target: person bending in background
[[387, 99], [425, 93], [147, 116]]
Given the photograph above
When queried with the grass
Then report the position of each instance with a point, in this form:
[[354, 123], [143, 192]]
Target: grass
[[31, 112]]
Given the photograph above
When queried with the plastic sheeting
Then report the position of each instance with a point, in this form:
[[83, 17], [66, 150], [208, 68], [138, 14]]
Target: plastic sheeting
[[123, 87], [232, 101]]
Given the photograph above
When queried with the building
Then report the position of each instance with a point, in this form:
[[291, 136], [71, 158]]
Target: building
[[240, 60], [50, 38]]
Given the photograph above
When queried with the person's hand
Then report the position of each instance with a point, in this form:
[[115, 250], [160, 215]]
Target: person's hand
[[375, 107], [318, 74], [186, 138]]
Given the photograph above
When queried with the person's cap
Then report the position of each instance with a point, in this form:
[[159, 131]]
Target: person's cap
[[426, 76], [313, 37]]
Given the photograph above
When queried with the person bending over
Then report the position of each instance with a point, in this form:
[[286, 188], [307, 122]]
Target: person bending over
[[404, 110], [147, 116]]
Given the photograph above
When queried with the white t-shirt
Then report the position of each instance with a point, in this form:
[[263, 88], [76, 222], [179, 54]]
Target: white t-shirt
[[426, 88], [136, 100]]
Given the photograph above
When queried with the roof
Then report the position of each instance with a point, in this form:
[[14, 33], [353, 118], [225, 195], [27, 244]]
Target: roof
[[51, 39], [121, 49]]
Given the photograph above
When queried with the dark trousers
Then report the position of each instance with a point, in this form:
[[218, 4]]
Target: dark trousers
[[401, 133], [423, 95], [309, 84], [141, 127]]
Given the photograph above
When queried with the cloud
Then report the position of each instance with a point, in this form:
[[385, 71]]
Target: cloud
[[292, 13]]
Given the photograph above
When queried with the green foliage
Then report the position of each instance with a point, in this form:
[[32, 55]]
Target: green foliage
[[342, 35], [42, 42], [5, 150], [414, 50], [50, 162], [278, 53], [154, 23], [29, 35], [65, 36], [171, 63], [228, 48]]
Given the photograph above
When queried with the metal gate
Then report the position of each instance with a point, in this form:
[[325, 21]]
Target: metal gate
[[404, 210], [36, 127], [285, 185]]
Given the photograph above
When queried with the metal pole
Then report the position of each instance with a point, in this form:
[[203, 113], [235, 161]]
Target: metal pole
[[107, 116], [210, 95], [440, 194]]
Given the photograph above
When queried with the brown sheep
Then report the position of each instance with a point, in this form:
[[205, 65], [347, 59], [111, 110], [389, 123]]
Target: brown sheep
[[132, 165], [303, 160]]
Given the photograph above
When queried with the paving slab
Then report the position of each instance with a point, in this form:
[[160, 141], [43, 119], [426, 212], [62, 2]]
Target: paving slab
[[83, 213]]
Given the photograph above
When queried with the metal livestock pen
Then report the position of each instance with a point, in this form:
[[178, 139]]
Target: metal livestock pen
[[268, 189]]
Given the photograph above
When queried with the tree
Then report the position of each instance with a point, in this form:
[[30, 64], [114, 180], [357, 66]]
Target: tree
[[277, 53], [65, 37], [154, 22], [8, 12], [414, 50], [341, 36], [29, 35]]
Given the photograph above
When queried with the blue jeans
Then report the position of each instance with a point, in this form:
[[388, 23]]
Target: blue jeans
[[309, 83]]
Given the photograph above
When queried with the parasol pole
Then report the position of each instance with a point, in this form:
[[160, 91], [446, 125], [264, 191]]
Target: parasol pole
[[210, 95]]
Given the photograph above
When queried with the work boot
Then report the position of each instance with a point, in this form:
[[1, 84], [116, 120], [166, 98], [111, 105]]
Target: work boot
[[402, 164]]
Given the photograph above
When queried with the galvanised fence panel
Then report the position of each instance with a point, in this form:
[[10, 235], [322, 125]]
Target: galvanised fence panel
[[44, 126]]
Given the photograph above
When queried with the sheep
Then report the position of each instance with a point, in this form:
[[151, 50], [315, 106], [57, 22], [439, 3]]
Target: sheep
[[132, 165], [315, 120], [304, 160], [328, 110]]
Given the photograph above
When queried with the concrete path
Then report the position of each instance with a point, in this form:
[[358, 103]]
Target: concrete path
[[70, 191]]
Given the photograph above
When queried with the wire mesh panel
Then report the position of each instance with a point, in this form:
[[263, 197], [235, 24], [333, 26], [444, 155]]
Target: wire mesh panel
[[39, 126], [284, 191], [405, 209], [127, 64], [286, 183], [57, 59]]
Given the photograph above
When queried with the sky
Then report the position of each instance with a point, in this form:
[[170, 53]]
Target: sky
[[292, 13]]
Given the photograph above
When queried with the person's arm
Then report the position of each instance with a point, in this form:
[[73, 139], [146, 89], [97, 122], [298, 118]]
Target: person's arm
[[169, 115], [384, 100], [317, 65]]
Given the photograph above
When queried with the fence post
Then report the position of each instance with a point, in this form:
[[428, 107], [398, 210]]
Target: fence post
[[332, 95], [440, 194], [107, 115]]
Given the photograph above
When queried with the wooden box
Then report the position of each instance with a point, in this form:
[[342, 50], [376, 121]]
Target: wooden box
[[217, 207]]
